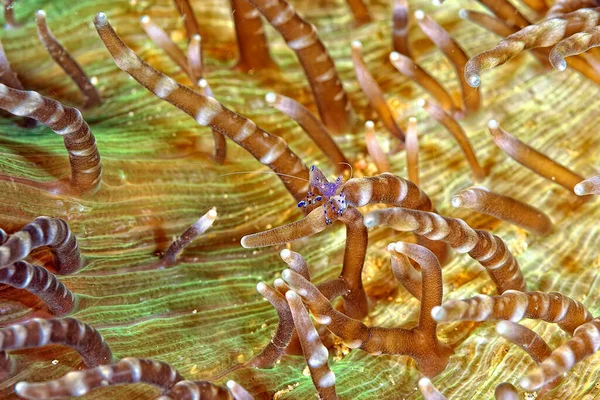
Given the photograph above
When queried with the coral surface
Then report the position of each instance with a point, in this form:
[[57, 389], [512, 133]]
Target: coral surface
[[204, 315]]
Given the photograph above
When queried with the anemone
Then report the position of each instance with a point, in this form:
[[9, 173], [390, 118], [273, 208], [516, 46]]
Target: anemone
[[135, 288]]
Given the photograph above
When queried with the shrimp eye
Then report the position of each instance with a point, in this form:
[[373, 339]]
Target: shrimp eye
[[318, 198], [302, 204]]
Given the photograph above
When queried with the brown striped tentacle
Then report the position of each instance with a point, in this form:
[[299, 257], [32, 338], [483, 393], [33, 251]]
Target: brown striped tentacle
[[186, 12], [126, 371], [9, 15], [164, 42], [488, 249], [359, 12], [387, 189], [296, 262], [70, 332], [573, 45], [441, 116], [270, 150], [504, 10], [513, 305], [315, 353], [7, 75], [86, 168], [283, 334], [488, 22], [374, 148], [500, 28], [410, 69], [39, 281], [525, 338], [400, 21], [301, 36], [533, 159], [543, 34], [567, 6], [412, 151], [373, 92], [405, 273], [253, 47], [505, 208], [454, 52], [187, 237], [64, 60], [195, 64], [585, 342], [44, 231], [313, 127]]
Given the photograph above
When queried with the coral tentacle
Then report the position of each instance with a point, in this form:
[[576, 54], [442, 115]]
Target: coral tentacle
[[270, 150]]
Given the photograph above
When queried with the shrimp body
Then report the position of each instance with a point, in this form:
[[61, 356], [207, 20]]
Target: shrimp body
[[321, 190]]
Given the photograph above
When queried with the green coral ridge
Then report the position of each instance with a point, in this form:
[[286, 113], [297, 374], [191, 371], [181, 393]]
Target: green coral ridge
[[204, 316]]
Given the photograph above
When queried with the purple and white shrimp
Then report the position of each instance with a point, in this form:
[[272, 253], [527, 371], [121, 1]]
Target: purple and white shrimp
[[320, 189]]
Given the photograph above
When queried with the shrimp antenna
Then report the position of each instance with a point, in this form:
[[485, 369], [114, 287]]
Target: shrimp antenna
[[351, 169], [265, 172]]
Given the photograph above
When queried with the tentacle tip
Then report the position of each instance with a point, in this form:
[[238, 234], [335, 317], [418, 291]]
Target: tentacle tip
[[437, 2], [231, 384], [21, 389], [260, 287], [526, 384], [412, 120], [419, 14], [394, 56], [502, 327], [202, 83], [474, 80], [579, 189], [424, 383], [285, 254], [100, 19], [456, 202], [286, 274], [212, 213], [391, 246], [493, 124], [244, 242], [369, 221], [438, 313], [270, 98], [560, 65], [369, 124], [291, 295], [40, 13], [196, 37], [356, 44], [462, 13]]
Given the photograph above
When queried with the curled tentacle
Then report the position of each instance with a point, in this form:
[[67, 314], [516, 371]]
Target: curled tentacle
[[78, 383], [44, 231], [514, 305]]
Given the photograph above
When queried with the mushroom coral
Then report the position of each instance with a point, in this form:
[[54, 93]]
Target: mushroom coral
[[203, 315]]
